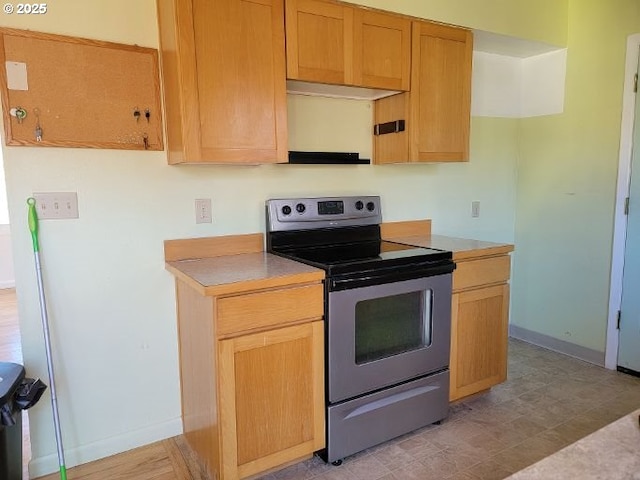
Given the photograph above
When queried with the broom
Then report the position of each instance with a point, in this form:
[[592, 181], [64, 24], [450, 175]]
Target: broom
[[33, 228]]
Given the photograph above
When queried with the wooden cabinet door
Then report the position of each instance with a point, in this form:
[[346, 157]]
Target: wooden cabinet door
[[437, 109], [271, 398], [381, 50], [225, 88], [479, 322], [440, 93], [319, 42], [392, 147]]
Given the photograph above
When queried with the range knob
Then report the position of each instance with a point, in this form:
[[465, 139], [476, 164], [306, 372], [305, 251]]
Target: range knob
[[286, 210], [359, 205], [371, 206], [300, 208]]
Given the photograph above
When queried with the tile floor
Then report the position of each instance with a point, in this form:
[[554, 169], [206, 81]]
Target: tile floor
[[549, 401]]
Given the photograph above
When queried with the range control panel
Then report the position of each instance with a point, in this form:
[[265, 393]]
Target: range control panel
[[307, 213]]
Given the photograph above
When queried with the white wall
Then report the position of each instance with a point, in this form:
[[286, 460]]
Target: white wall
[[543, 83], [4, 208], [518, 87], [7, 276]]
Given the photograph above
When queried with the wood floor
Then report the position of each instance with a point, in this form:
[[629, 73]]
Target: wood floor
[[170, 459]]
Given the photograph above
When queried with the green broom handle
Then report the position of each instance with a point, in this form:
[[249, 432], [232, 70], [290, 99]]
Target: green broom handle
[[33, 223]]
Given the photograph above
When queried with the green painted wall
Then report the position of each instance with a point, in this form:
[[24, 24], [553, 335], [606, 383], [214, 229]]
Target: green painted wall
[[566, 183]]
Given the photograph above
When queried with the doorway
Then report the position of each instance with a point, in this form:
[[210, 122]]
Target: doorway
[[626, 239], [10, 340], [7, 277], [629, 325]]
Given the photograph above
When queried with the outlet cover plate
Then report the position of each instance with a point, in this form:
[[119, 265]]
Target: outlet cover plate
[[475, 209], [203, 210]]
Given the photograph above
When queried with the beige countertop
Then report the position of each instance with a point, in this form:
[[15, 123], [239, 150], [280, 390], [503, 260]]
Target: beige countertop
[[611, 453], [462, 248], [255, 270], [230, 274]]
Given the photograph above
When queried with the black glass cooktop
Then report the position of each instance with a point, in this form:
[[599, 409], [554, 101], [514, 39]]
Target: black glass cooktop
[[363, 256], [354, 250]]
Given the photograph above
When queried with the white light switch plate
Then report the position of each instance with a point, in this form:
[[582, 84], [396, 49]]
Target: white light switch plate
[[56, 205]]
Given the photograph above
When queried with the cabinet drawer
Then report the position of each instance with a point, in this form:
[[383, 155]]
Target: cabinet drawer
[[474, 273], [266, 309]]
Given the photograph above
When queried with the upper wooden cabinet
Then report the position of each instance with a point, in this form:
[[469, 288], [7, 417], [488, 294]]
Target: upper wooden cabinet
[[441, 93], [339, 44], [223, 64], [319, 42], [381, 50], [438, 107]]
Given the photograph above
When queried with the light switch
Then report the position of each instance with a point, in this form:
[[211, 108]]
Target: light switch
[[58, 205], [203, 210]]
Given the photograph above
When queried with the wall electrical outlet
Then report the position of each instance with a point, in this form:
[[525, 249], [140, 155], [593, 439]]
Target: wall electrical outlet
[[56, 205], [475, 209], [203, 210]]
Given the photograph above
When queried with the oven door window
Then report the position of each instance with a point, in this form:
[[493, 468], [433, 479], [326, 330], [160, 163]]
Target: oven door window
[[388, 326]]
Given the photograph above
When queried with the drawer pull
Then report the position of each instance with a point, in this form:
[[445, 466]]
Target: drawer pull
[[389, 127]]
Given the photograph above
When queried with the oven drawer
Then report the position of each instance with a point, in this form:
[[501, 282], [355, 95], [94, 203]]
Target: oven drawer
[[271, 308], [375, 418], [484, 271]]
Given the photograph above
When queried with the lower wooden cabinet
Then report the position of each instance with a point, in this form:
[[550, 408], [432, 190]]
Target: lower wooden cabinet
[[479, 325], [271, 398], [253, 396]]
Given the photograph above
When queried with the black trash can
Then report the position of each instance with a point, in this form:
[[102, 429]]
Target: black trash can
[[11, 377], [17, 393]]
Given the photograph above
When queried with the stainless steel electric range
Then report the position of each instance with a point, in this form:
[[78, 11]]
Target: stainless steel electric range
[[387, 314]]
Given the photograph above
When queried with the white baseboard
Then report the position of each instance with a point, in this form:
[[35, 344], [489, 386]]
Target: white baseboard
[[561, 346], [7, 284], [40, 466]]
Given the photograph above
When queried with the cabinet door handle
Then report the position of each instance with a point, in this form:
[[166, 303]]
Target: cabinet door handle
[[389, 127]]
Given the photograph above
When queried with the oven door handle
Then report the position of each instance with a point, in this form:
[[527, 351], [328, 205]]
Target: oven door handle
[[386, 401], [377, 277]]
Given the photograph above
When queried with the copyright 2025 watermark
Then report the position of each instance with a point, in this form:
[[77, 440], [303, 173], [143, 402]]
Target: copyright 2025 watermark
[[25, 8]]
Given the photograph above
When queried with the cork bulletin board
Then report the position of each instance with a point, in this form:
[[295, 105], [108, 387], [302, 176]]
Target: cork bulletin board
[[60, 91]]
